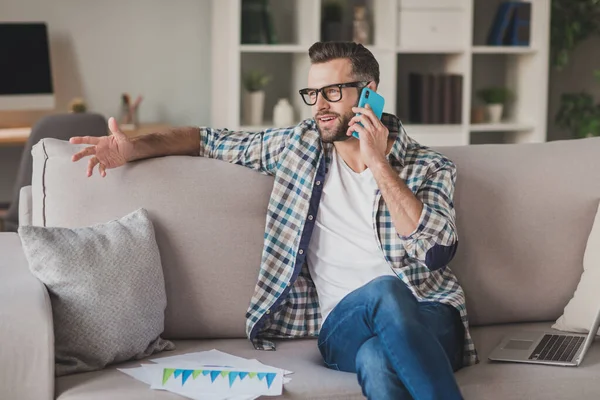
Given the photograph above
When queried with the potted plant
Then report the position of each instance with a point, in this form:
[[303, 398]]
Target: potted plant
[[254, 96], [495, 99], [579, 114]]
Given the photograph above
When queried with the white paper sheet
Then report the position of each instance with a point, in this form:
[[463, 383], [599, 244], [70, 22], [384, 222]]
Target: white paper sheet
[[217, 359]]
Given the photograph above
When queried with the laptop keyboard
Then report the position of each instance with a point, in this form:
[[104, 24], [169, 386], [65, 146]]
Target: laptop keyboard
[[557, 348]]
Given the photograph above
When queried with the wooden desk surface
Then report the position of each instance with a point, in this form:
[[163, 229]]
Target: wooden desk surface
[[14, 136], [19, 136]]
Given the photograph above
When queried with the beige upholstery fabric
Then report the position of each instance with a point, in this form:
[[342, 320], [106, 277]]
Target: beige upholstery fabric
[[524, 214], [25, 206], [208, 216], [311, 380], [108, 302], [26, 333]]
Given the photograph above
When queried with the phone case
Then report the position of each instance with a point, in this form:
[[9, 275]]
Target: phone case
[[373, 99]]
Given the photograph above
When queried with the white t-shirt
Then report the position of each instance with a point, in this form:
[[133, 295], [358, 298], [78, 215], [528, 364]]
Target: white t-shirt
[[343, 254]]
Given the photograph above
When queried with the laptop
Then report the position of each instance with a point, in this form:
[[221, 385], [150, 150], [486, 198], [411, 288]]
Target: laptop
[[546, 347]]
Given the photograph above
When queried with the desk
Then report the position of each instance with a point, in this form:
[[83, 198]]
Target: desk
[[14, 136], [19, 136]]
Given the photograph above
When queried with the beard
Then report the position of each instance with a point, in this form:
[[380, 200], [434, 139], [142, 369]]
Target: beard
[[337, 132]]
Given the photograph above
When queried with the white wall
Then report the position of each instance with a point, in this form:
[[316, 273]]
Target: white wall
[[100, 49]]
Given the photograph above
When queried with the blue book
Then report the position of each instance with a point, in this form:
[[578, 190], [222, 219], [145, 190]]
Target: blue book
[[501, 23], [519, 30]]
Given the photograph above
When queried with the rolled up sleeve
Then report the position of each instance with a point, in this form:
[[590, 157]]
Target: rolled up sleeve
[[435, 240]]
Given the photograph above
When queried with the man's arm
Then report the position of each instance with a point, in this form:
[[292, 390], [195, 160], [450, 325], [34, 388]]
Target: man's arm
[[183, 141], [425, 221], [256, 150]]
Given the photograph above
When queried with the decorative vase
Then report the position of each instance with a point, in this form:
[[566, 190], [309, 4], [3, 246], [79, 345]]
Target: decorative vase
[[495, 112], [254, 104], [283, 114], [361, 26]]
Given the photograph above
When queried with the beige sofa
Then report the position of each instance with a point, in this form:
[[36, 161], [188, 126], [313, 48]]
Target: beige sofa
[[524, 215]]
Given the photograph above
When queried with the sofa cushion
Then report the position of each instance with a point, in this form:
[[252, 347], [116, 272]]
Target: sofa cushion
[[524, 213], [311, 380], [106, 287], [208, 216], [582, 309]]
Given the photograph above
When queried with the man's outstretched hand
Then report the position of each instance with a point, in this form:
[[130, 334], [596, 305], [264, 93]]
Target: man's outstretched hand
[[107, 152]]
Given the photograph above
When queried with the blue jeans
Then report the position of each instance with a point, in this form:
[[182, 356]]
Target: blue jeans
[[399, 348]]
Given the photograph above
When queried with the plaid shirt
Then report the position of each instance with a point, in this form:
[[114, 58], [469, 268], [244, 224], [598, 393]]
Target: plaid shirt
[[285, 303]]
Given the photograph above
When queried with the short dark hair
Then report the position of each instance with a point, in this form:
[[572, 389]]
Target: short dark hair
[[364, 65]]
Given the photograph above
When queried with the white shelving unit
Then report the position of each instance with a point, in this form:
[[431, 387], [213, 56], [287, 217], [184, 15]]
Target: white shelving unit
[[436, 36]]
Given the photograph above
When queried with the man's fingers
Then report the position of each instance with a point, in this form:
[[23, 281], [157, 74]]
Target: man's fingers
[[114, 128], [102, 169], [88, 151], [368, 112], [91, 164], [84, 140]]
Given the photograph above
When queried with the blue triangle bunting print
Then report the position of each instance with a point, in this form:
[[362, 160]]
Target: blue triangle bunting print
[[186, 374], [270, 378], [232, 376], [214, 374], [261, 375], [205, 372], [243, 375], [177, 373]]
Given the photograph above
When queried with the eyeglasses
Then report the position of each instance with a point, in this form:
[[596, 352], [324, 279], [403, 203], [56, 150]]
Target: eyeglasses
[[331, 93]]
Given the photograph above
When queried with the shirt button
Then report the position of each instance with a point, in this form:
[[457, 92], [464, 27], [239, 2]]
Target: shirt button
[[310, 217], [268, 311], [318, 183], [301, 251]]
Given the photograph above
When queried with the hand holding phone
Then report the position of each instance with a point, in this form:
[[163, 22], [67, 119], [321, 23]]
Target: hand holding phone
[[374, 100]]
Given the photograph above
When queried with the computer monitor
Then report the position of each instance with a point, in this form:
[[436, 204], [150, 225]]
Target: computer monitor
[[25, 70]]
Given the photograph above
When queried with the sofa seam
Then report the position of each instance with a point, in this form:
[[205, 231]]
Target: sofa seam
[[44, 183]]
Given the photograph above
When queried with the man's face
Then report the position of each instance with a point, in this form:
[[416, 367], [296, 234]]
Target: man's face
[[332, 118]]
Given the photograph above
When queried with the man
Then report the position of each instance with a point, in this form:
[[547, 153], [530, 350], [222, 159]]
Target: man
[[358, 237]]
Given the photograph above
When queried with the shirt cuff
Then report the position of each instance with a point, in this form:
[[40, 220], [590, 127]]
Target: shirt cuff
[[420, 225]]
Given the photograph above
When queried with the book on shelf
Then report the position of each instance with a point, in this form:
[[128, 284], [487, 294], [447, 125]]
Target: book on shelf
[[257, 23], [435, 98], [512, 24]]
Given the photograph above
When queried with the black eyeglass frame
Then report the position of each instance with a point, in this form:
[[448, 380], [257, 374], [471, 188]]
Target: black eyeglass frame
[[356, 84]]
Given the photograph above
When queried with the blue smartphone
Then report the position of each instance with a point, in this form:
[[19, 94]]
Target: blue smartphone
[[373, 99]]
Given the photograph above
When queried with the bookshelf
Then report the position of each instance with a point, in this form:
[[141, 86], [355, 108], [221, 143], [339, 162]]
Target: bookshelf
[[407, 36]]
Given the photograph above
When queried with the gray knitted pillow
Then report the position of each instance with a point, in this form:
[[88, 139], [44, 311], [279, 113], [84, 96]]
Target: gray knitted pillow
[[106, 287]]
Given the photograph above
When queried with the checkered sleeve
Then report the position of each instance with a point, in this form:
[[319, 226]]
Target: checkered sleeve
[[435, 239], [256, 150]]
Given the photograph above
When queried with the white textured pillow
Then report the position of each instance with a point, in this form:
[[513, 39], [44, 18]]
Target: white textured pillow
[[583, 307], [107, 290]]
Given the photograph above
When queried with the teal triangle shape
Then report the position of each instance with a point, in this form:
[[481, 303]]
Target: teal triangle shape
[[177, 373], [243, 375], [232, 376], [270, 378], [261, 375], [186, 374], [205, 372], [214, 374]]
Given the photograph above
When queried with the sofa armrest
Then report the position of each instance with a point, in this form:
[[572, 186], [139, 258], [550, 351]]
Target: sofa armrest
[[26, 329], [25, 206]]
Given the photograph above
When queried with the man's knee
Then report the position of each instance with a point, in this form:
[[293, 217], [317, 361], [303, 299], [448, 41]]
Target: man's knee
[[389, 289]]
